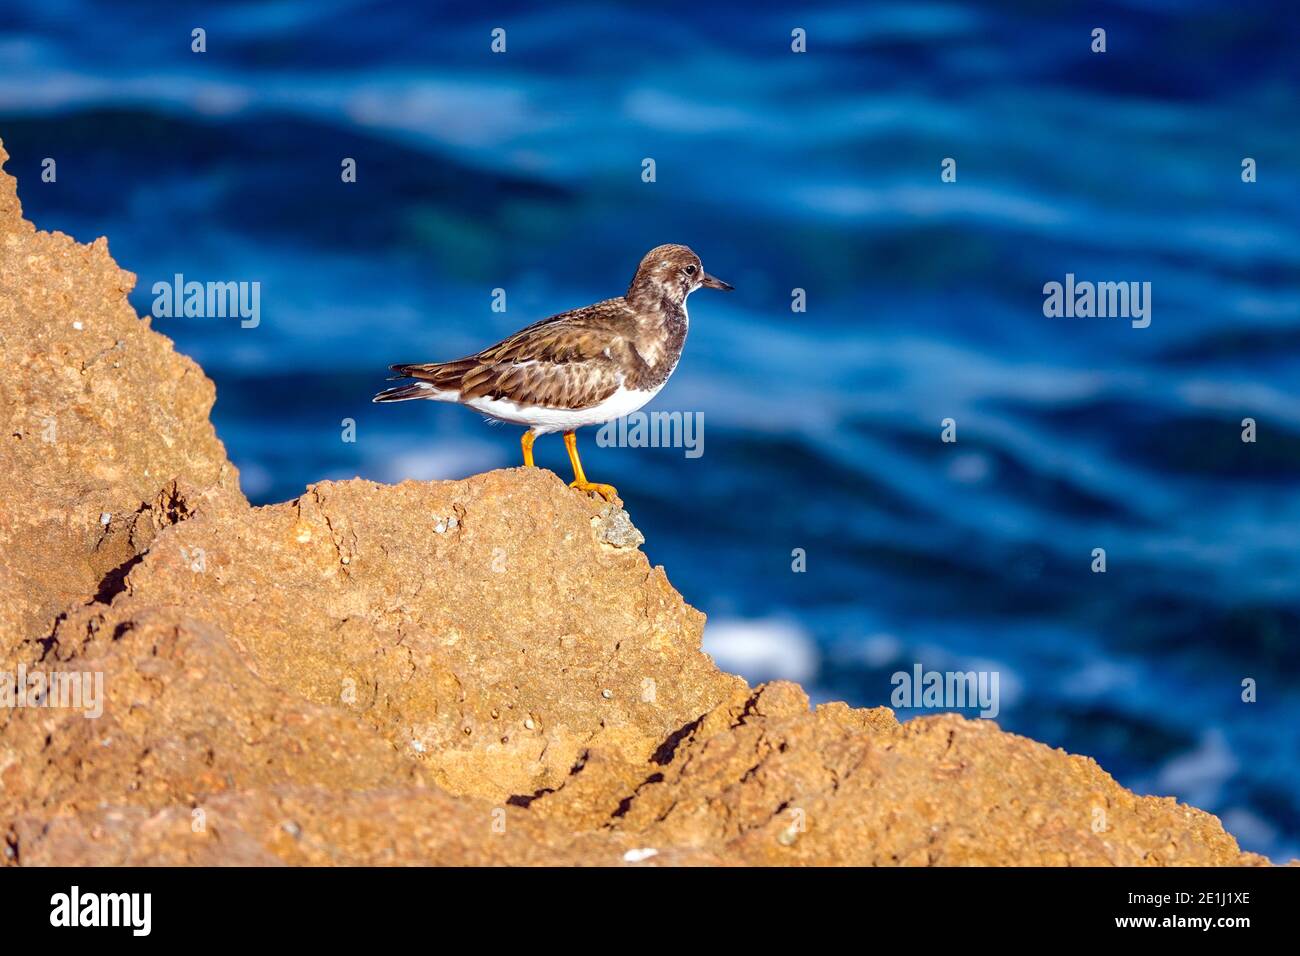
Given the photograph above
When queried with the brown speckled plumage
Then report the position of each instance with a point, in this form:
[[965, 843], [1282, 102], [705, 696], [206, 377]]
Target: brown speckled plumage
[[577, 359]]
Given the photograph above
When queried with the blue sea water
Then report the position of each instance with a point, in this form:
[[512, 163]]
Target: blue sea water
[[818, 171]]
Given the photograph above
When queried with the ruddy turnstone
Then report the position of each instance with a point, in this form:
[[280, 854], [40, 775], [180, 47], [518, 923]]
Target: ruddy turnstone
[[583, 367]]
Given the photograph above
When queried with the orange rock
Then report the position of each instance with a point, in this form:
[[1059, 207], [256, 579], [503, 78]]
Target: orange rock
[[105, 427]]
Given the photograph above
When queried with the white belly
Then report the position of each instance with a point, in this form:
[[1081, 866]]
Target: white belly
[[543, 421]]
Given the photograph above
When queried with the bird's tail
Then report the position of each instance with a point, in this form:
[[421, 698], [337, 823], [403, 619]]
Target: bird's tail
[[404, 393], [439, 381]]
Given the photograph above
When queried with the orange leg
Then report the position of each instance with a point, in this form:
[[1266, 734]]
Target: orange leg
[[579, 479], [526, 442]]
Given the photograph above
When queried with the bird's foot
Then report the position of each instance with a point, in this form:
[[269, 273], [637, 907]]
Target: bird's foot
[[608, 492]]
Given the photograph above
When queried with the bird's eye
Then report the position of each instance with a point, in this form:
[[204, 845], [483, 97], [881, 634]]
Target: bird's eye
[[690, 270]]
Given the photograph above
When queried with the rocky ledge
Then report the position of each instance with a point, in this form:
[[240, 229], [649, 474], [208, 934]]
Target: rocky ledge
[[477, 671]]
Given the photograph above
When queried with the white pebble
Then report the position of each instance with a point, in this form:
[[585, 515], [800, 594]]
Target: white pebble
[[529, 723], [105, 518], [636, 856], [77, 326], [607, 694]]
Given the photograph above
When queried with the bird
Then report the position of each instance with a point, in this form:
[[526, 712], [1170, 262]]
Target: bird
[[583, 367]]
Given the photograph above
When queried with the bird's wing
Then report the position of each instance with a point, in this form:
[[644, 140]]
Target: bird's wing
[[566, 361]]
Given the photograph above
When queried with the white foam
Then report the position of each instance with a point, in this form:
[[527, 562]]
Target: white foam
[[762, 650], [443, 460], [1198, 775]]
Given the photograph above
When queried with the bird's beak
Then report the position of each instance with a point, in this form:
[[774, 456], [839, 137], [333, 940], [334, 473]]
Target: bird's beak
[[712, 282]]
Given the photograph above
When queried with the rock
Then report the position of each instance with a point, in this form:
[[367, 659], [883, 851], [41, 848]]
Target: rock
[[464, 672], [325, 827], [763, 780], [101, 417], [614, 527], [183, 719], [482, 652]]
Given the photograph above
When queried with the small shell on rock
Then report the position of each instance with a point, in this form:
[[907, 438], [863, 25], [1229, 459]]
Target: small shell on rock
[[615, 528]]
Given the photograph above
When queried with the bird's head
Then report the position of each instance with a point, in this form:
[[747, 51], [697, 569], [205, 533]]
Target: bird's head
[[671, 272]]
